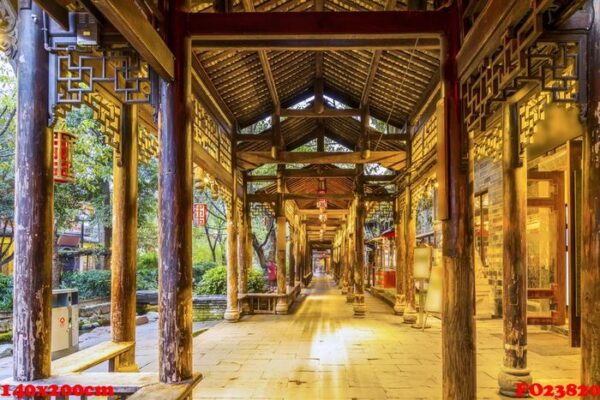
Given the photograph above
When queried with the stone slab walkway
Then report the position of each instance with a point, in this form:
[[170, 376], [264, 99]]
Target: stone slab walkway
[[321, 351]]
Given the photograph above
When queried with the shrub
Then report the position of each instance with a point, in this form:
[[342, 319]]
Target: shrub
[[214, 281], [256, 281], [6, 293], [148, 261], [91, 284], [200, 268], [147, 279]]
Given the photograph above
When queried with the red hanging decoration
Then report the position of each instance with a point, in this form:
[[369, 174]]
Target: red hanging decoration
[[63, 157], [200, 214]]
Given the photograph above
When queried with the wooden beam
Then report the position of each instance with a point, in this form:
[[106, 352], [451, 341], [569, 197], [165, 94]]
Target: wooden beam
[[315, 196], [316, 211], [129, 20], [57, 12], [266, 66], [320, 45], [253, 159], [326, 113], [335, 25], [320, 173]]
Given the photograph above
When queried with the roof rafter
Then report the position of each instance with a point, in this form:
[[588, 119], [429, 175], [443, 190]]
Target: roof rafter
[[266, 66]]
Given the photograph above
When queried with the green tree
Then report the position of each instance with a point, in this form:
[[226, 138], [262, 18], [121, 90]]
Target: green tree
[[8, 109]]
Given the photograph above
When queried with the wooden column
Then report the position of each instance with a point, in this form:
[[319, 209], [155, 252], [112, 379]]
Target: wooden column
[[514, 261], [400, 216], [124, 238], [232, 314], [351, 266], [590, 273], [458, 325], [359, 281], [34, 195], [245, 252], [292, 271], [410, 229], [345, 252], [282, 306], [175, 211]]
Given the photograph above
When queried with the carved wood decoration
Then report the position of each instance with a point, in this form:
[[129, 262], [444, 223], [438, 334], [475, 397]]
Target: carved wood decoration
[[8, 24], [521, 59]]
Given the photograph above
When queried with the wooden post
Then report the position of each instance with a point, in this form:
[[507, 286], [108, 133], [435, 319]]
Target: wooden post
[[175, 211], [345, 252], [359, 281], [124, 238], [244, 251], [282, 306], [291, 245], [514, 282], [351, 261], [590, 273], [410, 228], [458, 309], [232, 314], [400, 217], [34, 196]]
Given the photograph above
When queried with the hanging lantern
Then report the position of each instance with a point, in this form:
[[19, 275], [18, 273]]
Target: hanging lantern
[[214, 191], [63, 157], [323, 217]]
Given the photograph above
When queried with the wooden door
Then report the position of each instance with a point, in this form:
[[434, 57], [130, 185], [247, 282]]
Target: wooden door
[[546, 247]]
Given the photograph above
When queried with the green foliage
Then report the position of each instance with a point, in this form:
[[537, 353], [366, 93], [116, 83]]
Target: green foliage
[[6, 293], [91, 284], [148, 261], [200, 268], [214, 281], [256, 281], [147, 279]]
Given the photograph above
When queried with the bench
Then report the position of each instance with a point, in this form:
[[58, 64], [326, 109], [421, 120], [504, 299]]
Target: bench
[[90, 357], [130, 385], [165, 391], [265, 303]]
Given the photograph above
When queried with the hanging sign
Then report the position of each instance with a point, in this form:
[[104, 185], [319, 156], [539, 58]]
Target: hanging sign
[[434, 292], [322, 203], [422, 262], [200, 212]]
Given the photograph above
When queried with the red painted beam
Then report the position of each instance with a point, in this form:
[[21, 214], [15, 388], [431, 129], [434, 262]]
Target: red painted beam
[[310, 24]]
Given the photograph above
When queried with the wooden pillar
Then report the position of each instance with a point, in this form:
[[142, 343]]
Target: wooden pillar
[[345, 251], [282, 306], [590, 273], [359, 281], [244, 252], [351, 261], [514, 281], [175, 212], [232, 314], [400, 217], [124, 238], [292, 271], [410, 228], [458, 309], [34, 196]]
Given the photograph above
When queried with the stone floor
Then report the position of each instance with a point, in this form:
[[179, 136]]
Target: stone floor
[[320, 351]]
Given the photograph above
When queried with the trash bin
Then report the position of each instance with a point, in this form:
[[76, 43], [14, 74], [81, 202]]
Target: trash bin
[[65, 322]]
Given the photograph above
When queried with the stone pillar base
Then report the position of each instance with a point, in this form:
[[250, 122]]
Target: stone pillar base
[[281, 307], [508, 379], [350, 297], [400, 304], [359, 306], [232, 315], [410, 315]]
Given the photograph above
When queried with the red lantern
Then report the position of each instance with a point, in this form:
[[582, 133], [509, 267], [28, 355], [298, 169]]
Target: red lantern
[[200, 214], [322, 204], [63, 157]]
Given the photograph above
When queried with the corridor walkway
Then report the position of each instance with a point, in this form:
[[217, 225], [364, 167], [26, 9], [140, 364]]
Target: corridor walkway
[[321, 351]]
